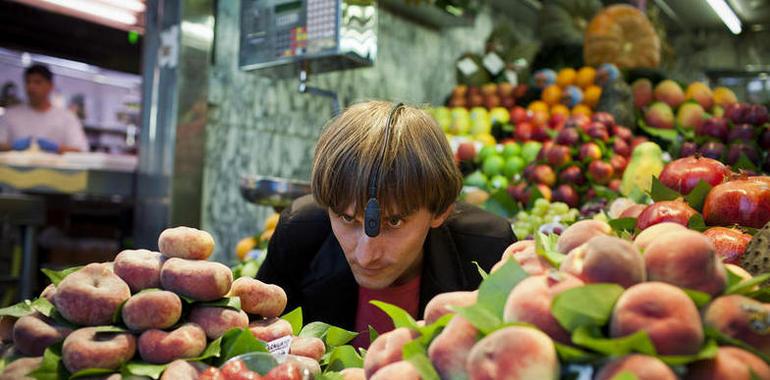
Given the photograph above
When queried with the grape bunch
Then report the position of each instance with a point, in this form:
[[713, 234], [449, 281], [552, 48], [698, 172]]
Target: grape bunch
[[545, 217]]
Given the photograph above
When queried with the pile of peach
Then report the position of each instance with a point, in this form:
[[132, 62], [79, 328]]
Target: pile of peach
[[653, 270], [146, 289]]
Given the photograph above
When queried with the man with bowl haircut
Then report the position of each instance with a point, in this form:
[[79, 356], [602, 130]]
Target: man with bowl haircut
[[331, 263]]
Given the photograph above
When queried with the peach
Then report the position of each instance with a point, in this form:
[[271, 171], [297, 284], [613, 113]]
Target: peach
[[670, 93], [741, 318], [215, 321], [258, 298], [20, 368], [642, 366], [49, 293], [450, 348], [641, 90], [309, 347], [724, 96], [686, 259], [353, 374], [659, 115], [690, 115], [305, 363], [665, 312], [160, 347], [140, 268], [525, 255], [155, 309], [33, 333], [6, 328], [530, 302], [91, 296], [606, 259], [701, 93], [186, 243], [199, 280], [288, 370], [402, 370], [513, 353], [731, 363], [270, 329], [183, 370], [652, 233], [580, 233], [442, 304], [88, 348], [387, 349]]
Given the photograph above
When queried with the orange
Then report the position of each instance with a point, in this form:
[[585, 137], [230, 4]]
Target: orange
[[581, 109], [585, 76], [552, 95], [538, 105], [566, 77], [591, 96], [560, 109], [245, 246]]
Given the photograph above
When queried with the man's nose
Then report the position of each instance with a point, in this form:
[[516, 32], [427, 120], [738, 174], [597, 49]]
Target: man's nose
[[369, 249]]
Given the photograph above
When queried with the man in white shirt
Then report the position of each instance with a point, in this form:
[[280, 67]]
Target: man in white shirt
[[55, 129]]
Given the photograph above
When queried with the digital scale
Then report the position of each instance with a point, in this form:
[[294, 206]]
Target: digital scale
[[290, 36]]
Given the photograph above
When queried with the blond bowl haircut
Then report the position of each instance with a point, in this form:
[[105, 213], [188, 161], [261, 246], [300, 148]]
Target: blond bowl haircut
[[418, 169]]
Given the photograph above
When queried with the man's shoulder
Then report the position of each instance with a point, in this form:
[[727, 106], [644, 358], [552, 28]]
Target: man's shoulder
[[469, 220], [305, 210], [16, 110]]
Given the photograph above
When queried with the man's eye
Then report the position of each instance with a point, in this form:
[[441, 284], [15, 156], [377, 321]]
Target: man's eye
[[347, 219], [395, 222]]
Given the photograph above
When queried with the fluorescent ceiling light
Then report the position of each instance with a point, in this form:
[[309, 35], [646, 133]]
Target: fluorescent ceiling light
[[726, 14], [97, 9]]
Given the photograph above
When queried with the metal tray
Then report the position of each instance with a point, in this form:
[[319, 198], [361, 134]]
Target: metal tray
[[271, 191]]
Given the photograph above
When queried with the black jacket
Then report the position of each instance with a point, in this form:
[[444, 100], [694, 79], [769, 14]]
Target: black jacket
[[305, 259]]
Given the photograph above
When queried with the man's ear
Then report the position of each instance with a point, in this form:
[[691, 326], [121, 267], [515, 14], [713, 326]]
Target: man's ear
[[439, 219]]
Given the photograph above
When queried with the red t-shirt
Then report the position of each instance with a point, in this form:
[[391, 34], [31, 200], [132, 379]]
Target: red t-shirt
[[406, 296]]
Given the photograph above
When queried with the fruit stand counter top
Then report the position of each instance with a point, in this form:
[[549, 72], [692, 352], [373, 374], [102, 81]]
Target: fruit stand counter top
[[67, 181]]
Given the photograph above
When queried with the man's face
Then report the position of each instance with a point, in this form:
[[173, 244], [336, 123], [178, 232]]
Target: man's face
[[391, 258], [38, 88]]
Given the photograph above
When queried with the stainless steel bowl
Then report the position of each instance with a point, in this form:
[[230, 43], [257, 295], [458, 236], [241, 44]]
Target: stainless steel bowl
[[271, 191]]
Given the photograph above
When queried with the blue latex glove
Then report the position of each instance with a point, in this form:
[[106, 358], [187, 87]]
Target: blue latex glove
[[47, 145], [21, 144]]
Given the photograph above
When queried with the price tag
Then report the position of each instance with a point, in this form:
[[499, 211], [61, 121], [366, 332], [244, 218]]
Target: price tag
[[467, 66], [279, 348], [493, 63], [511, 77]]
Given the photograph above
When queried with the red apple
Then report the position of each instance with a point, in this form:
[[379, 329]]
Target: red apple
[[491, 101], [507, 102], [460, 90], [568, 136], [622, 132], [632, 211], [614, 185], [518, 115], [741, 132], [519, 192], [743, 201], [600, 172], [605, 118], [636, 141], [621, 147], [540, 133], [572, 175], [544, 174], [589, 152], [676, 211], [713, 127], [712, 149], [598, 131], [688, 149], [466, 151], [457, 102], [544, 148], [475, 100], [757, 114], [558, 155], [736, 112], [730, 243], [619, 164], [544, 190], [683, 175], [523, 131], [505, 89], [567, 194], [578, 121]]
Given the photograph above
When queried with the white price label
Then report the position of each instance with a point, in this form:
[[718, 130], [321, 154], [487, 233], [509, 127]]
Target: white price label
[[493, 63], [467, 66], [512, 77], [279, 347]]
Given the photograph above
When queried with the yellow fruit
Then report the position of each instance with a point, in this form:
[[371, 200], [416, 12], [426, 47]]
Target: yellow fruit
[[591, 96], [560, 109], [552, 95], [244, 246], [265, 237], [272, 221], [538, 105], [566, 77], [581, 109], [585, 76], [724, 96], [485, 139]]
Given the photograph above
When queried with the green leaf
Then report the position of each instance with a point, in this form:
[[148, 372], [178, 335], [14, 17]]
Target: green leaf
[[699, 298], [493, 292], [545, 246], [250, 268], [57, 276], [744, 163], [430, 331], [329, 376], [732, 278], [591, 337], [501, 203], [589, 305], [43, 306], [534, 194], [697, 196], [399, 316], [708, 351], [423, 365], [697, 223], [625, 375], [373, 334], [52, 367], [109, 329], [723, 339], [344, 357], [660, 192], [294, 318], [745, 287], [18, 310], [623, 224], [91, 372], [228, 302], [668, 135], [413, 348], [117, 316], [573, 354], [638, 196], [336, 336], [315, 330], [481, 270], [480, 317], [233, 343], [143, 369]]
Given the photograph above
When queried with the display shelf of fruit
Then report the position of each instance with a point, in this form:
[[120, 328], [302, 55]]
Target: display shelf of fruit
[[588, 302], [170, 314]]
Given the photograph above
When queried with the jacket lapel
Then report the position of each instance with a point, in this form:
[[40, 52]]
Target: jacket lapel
[[442, 270]]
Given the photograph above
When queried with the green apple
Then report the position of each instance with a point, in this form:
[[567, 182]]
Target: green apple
[[480, 122], [461, 121], [499, 115], [492, 166], [486, 151], [477, 179], [498, 182], [511, 149], [530, 150], [513, 165], [443, 117]]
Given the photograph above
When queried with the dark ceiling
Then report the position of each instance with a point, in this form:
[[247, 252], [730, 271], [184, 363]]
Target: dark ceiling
[[25, 28]]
